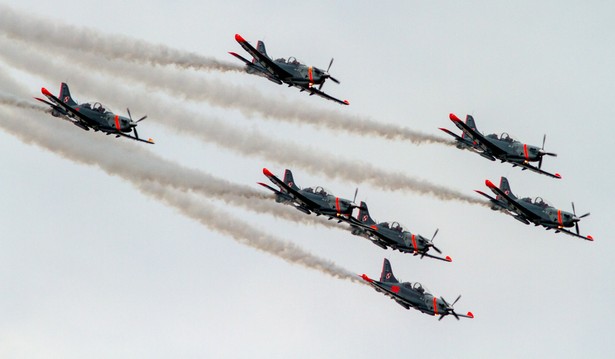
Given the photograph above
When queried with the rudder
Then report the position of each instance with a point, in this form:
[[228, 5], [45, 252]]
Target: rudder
[[65, 95], [260, 47], [505, 187], [470, 122], [288, 179], [364, 216], [387, 273]]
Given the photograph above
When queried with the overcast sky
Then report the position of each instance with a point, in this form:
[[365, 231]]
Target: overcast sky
[[91, 265]]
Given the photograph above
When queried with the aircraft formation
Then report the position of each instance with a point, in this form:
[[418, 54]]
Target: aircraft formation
[[322, 202]]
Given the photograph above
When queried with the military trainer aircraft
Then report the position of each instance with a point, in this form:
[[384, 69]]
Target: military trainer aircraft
[[307, 200], [290, 72], [392, 235], [502, 148], [94, 116], [537, 212], [412, 294]]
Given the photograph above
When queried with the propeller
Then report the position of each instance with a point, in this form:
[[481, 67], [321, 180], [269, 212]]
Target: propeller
[[449, 308], [577, 219], [543, 153], [430, 243], [326, 75], [133, 124]]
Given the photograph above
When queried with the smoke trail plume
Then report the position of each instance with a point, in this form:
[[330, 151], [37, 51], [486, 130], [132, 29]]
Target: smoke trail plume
[[210, 216], [198, 88], [242, 232], [138, 164], [34, 29], [237, 139]]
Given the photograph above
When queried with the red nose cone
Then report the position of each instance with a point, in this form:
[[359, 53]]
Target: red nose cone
[[558, 175], [267, 173], [449, 259], [590, 238], [489, 184], [239, 38], [470, 315], [45, 92], [453, 117]]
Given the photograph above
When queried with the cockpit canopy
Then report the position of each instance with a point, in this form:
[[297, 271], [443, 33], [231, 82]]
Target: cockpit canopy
[[98, 107], [416, 286], [539, 201], [396, 226], [318, 190], [504, 136], [291, 61]]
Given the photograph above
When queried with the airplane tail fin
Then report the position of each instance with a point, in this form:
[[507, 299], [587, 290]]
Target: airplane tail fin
[[288, 179], [470, 122], [65, 95], [505, 187], [260, 47], [364, 216], [387, 273]]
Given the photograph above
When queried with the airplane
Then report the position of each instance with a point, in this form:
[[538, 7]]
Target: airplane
[[537, 212], [290, 72], [308, 200], [392, 235], [95, 116], [503, 148], [412, 295]]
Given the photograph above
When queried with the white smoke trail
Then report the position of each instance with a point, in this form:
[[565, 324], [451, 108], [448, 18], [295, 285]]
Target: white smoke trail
[[34, 29], [231, 137], [138, 164], [210, 216], [242, 232], [189, 86]]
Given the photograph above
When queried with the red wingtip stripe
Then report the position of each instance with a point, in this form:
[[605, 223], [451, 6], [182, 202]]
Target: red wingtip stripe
[[453, 117], [347, 102], [489, 184], [374, 227], [266, 172], [366, 278], [558, 175], [238, 38], [590, 238], [470, 314], [395, 288], [45, 92], [449, 259]]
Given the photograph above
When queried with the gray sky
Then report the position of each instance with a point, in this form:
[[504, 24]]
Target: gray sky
[[91, 266]]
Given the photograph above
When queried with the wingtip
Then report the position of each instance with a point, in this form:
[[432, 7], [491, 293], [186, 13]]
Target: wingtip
[[45, 92], [453, 117], [557, 175], [347, 102], [266, 172], [470, 315], [489, 184], [151, 140], [449, 259], [590, 238], [366, 278], [238, 38]]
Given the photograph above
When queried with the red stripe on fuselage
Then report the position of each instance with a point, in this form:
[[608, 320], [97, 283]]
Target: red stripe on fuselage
[[527, 157], [117, 122], [337, 205], [311, 76], [413, 237], [435, 306], [559, 217]]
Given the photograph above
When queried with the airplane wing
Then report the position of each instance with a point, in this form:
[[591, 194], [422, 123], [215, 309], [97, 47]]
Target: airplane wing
[[570, 233], [149, 140], [287, 190], [477, 137], [526, 213], [66, 108], [537, 170], [458, 138], [317, 92], [263, 60], [257, 68], [447, 259]]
